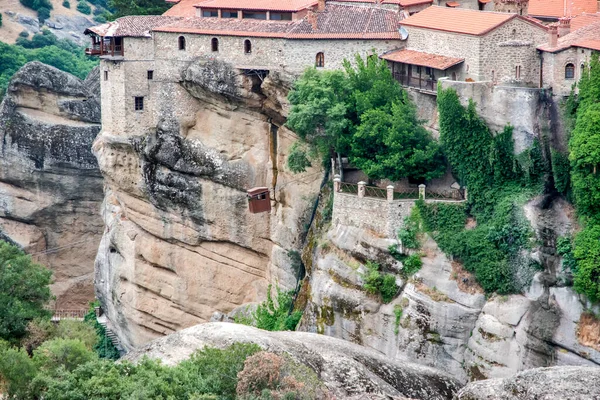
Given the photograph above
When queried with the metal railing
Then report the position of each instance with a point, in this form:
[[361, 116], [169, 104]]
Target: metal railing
[[374, 191]]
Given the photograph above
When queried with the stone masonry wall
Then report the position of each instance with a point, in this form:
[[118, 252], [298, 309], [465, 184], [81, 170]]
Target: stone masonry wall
[[554, 69], [512, 44]]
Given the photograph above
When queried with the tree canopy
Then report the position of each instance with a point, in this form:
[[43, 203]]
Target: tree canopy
[[122, 8], [362, 112], [24, 290]]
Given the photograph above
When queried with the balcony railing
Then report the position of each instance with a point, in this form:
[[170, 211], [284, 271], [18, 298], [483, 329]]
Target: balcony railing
[[106, 50], [423, 83]]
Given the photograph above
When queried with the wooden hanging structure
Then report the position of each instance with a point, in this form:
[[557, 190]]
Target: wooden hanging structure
[[259, 200]]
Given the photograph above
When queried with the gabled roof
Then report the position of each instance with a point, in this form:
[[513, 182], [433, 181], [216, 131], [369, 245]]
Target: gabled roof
[[585, 19], [132, 26], [587, 37], [561, 8], [423, 59], [266, 5], [458, 20], [335, 22], [184, 8]]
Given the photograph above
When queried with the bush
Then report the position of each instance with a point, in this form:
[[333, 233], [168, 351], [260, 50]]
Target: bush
[[61, 353], [66, 4], [100, 19], [412, 264], [409, 233], [0, 19], [587, 256], [274, 315], [297, 160], [24, 34], [104, 347], [377, 283], [84, 8], [43, 14]]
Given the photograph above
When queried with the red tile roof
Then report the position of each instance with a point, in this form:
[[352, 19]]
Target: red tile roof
[[267, 5], [184, 8], [408, 3], [422, 59], [582, 20], [586, 37], [133, 26], [459, 20], [335, 22], [561, 8]]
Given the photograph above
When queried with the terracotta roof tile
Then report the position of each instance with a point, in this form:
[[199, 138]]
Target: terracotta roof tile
[[184, 8], [459, 20], [561, 8], [582, 20], [586, 37], [132, 25], [422, 59], [270, 5], [336, 22], [407, 3]]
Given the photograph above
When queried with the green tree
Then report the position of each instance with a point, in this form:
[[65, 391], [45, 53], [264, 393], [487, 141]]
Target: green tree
[[138, 7], [24, 290], [274, 314], [84, 8]]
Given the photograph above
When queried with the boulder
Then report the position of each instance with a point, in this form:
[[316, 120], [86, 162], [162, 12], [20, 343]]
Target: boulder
[[346, 369]]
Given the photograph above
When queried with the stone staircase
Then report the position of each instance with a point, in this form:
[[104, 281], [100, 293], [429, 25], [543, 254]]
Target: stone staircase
[[102, 320]]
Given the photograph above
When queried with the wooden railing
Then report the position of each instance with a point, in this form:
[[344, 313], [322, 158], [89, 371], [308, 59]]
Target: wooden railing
[[62, 314], [362, 190], [425, 83], [105, 50]]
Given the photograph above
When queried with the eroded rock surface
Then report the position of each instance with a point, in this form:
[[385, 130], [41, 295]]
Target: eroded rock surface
[[50, 184], [180, 242], [345, 368], [573, 383]]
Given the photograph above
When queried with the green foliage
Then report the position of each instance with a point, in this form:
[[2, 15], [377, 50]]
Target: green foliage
[[66, 4], [83, 7], [409, 233], [561, 172], [363, 112], [24, 290], [297, 160], [274, 315], [103, 346], [564, 248], [43, 7], [398, 314], [0, 19], [44, 47], [61, 353], [412, 264], [377, 283], [17, 370], [134, 7], [587, 260], [24, 34]]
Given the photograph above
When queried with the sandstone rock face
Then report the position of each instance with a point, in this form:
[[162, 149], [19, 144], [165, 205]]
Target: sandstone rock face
[[346, 369], [573, 383], [440, 317], [180, 242], [50, 184]]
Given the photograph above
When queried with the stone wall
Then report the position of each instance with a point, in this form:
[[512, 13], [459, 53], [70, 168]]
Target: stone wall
[[554, 69]]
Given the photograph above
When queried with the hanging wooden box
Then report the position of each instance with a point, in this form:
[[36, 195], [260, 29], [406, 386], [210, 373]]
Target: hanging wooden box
[[259, 200]]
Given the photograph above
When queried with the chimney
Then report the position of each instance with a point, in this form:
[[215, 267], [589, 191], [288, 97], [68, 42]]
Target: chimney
[[552, 35], [312, 19], [564, 26], [321, 5]]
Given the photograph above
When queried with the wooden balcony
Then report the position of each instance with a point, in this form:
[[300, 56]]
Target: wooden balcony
[[106, 49], [425, 84]]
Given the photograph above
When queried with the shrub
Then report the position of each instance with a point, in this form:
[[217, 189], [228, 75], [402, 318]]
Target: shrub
[[43, 14], [409, 233], [84, 8], [398, 316], [389, 288], [66, 4], [61, 353], [412, 264], [587, 257], [24, 34], [104, 346], [377, 283], [0, 19], [100, 19], [274, 315]]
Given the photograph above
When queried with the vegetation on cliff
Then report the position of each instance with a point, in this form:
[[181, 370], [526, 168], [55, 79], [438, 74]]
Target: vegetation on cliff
[[362, 112], [274, 314], [584, 155]]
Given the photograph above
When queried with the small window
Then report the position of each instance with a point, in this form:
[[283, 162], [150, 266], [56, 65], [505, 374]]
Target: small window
[[582, 71], [181, 43], [247, 46], [569, 71], [105, 75], [214, 44], [210, 13], [493, 76], [254, 15], [229, 14], [320, 60], [150, 75], [139, 103], [419, 69], [518, 72], [428, 71], [514, 33], [281, 16], [454, 76]]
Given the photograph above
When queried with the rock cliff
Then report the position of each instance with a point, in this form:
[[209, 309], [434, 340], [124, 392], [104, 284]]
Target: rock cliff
[[346, 369], [180, 242], [50, 184], [440, 316]]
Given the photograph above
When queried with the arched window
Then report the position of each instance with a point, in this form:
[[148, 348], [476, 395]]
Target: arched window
[[247, 46], [214, 44], [569, 71], [181, 43], [320, 60]]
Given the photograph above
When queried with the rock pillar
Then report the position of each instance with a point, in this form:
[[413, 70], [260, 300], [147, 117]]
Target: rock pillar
[[361, 189]]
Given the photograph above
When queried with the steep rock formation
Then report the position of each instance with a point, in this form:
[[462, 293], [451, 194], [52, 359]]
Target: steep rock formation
[[180, 242], [573, 383], [346, 369], [440, 317], [50, 184]]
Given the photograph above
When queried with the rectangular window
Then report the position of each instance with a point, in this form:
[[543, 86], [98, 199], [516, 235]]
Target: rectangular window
[[139, 103], [281, 16], [150, 75], [419, 69], [428, 71], [229, 14], [210, 13], [105, 75], [254, 15], [518, 72]]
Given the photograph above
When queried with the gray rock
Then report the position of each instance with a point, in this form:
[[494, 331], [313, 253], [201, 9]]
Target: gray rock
[[345, 368], [572, 383]]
